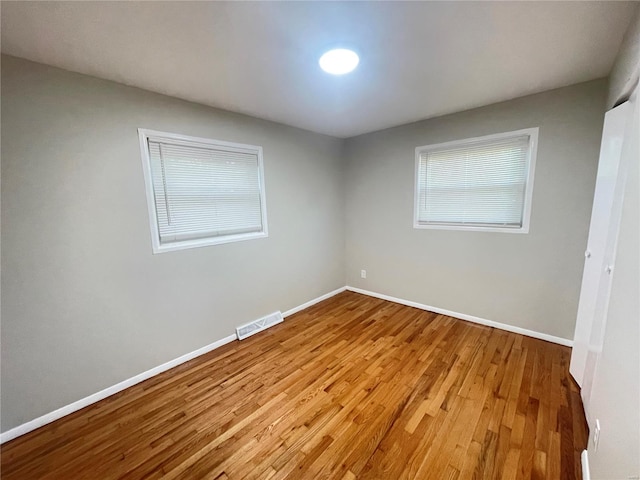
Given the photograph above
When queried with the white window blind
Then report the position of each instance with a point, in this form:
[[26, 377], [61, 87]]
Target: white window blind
[[204, 193], [478, 183]]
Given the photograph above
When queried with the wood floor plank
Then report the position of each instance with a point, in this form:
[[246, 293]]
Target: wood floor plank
[[351, 388]]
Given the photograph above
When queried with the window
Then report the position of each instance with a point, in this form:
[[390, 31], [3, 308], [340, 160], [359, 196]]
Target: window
[[483, 183], [202, 192]]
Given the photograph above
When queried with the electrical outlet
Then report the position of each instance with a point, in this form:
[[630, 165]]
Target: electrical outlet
[[596, 435], [363, 274]]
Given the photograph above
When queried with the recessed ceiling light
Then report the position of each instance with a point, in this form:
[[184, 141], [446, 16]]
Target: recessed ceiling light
[[339, 61]]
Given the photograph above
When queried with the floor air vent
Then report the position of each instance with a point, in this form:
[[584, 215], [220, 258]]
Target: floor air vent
[[259, 325]]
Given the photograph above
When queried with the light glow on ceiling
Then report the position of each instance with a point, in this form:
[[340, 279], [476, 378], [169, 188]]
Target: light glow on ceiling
[[339, 61]]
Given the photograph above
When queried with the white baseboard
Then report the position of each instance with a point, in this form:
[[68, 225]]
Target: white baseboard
[[102, 394], [313, 302], [586, 473], [107, 392], [469, 318]]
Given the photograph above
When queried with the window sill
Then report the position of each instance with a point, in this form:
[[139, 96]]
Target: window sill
[[422, 226], [205, 242]]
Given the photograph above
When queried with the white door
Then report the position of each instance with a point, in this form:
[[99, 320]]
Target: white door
[[596, 277], [596, 342]]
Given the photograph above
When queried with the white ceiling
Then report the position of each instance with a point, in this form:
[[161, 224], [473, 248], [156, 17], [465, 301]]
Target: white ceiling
[[418, 59]]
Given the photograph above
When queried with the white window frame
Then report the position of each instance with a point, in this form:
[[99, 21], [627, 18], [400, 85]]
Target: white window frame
[[144, 136], [528, 196]]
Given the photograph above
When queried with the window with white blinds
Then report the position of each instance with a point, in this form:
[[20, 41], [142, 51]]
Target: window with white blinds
[[202, 192], [481, 184]]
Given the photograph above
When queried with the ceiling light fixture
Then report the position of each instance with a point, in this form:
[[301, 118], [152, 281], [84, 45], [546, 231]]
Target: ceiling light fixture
[[339, 61]]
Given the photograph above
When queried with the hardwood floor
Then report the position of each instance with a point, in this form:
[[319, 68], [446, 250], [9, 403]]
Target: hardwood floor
[[353, 387]]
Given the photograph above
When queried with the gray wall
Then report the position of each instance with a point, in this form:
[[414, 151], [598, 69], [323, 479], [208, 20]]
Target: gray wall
[[525, 280], [626, 68], [85, 304]]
